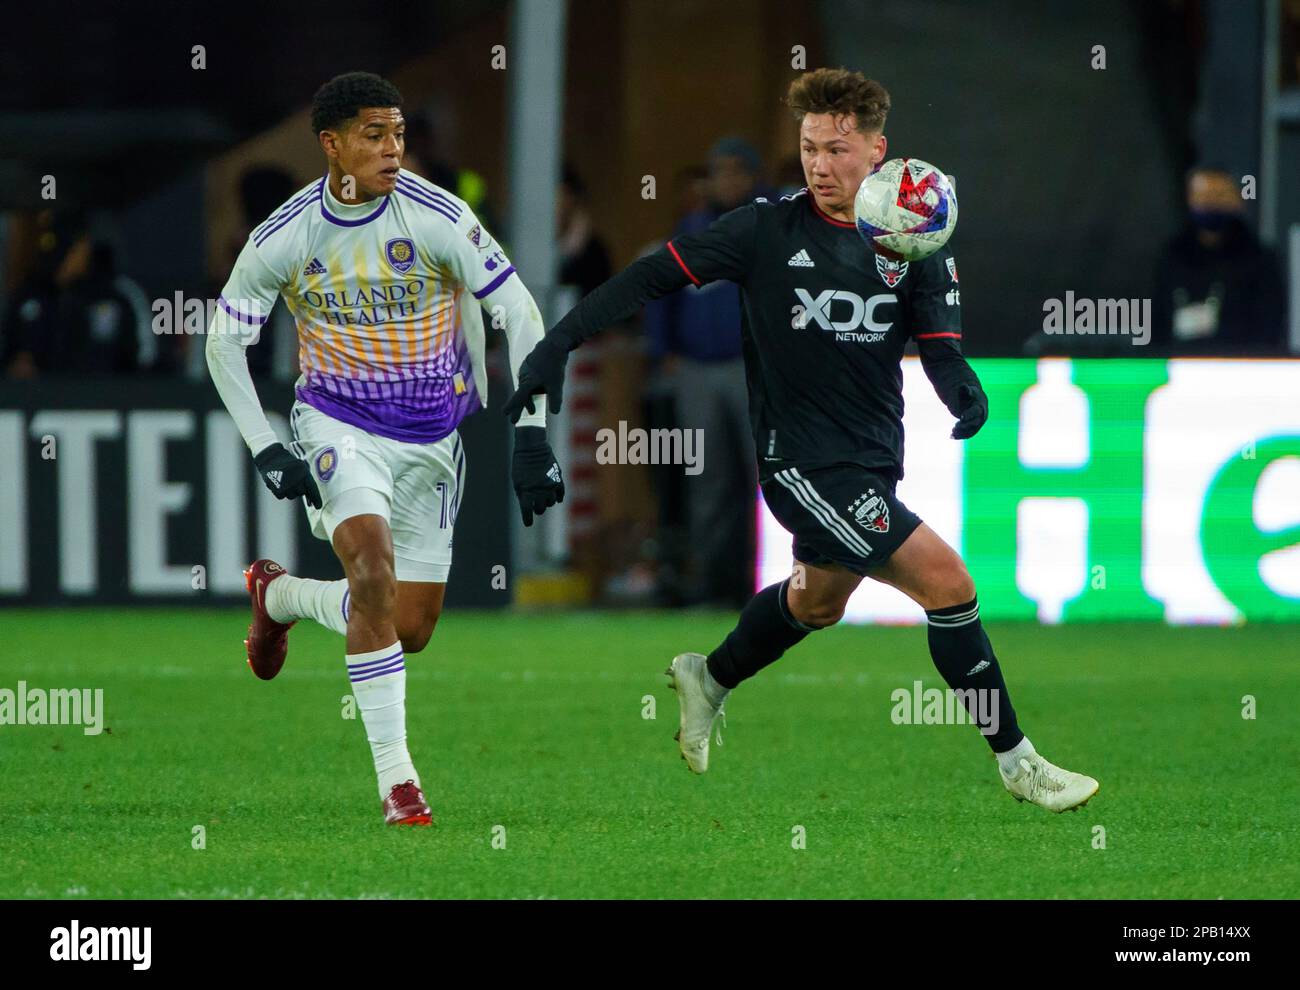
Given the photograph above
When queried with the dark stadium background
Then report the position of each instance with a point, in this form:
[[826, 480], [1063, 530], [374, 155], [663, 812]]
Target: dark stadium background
[[1073, 177], [1146, 616], [1070, 177]]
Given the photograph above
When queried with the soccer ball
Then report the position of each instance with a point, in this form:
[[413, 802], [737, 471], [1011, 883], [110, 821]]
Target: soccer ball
[[906, 210]]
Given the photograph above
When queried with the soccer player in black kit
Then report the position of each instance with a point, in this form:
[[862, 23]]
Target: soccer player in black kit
[[825, 322]]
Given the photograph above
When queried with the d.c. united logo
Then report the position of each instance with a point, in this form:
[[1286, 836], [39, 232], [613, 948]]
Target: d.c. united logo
[[891, 271], [871, 512], [400, 253], [326, 461]]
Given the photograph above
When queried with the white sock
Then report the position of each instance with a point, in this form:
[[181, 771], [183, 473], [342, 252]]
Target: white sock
[[379, 683], [1010, 760], [714, 691], [327, 602]]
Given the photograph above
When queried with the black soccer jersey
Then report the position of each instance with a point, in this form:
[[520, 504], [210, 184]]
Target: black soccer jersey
[[824, 324]]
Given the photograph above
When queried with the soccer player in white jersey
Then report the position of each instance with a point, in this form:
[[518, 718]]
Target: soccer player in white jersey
[[383, 273]]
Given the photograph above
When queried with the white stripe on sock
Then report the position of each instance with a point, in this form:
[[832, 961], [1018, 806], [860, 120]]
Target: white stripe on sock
[[954, 625], [959, 619]]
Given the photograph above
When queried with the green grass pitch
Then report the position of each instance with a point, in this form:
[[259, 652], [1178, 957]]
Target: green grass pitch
[[536, 723]]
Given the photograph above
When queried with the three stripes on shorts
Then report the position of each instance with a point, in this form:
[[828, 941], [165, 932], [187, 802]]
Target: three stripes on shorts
[[823, 511]]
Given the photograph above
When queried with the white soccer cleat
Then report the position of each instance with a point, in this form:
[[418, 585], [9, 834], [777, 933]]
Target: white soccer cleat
[[1048, 786], [697, 713]]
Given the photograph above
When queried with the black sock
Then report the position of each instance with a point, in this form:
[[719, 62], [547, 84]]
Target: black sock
[[964, 656], [766, 629]]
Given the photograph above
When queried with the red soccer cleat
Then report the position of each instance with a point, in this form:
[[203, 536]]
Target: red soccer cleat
[[405, 805], [268, 640]]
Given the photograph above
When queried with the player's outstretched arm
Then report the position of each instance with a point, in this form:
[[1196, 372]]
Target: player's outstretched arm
[[722, 251], [655, 275], [241, 311]]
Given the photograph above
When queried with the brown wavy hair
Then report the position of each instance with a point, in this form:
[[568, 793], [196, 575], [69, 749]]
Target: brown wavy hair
[[840, 92]]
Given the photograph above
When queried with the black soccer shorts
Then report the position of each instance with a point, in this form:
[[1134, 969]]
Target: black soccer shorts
[[844, 515]]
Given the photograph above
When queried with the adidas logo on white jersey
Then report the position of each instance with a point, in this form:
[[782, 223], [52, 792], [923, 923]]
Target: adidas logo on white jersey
[[314, 267], [801, 260]]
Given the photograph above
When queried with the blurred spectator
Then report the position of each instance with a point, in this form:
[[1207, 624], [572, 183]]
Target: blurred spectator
[[1218, 290], [671, 542], [583, 265], [74, 314], [695, 336], [692, 188], [584, 259], [262, 190], [424, 157], [790, 176]]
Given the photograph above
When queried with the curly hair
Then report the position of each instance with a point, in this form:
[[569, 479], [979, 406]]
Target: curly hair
[[840, 92], [342, 98]]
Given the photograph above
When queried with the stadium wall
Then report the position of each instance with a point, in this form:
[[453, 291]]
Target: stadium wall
[[118, 491], [1104, 489]]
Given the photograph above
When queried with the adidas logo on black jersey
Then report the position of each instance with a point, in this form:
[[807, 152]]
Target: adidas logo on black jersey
[[801, 260], [314, 267]]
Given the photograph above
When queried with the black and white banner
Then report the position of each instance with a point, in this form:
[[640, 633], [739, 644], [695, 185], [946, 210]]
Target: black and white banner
[[143, 491]]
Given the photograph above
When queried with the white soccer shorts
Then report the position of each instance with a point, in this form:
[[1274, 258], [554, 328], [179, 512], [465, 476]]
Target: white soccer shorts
[[415, 486]]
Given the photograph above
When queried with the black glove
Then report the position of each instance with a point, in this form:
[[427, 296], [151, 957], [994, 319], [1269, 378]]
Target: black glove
[[542, 371], [974, 406], [536, 472], [287, 476]]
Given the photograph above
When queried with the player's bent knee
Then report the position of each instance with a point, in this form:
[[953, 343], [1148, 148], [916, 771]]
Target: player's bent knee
[[818, 615], [825, 618], [415, 634], [955, 588], [415, 640]]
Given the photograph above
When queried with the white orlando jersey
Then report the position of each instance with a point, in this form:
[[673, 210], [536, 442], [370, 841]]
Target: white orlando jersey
[[387, 338]]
